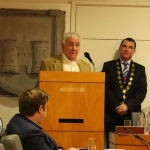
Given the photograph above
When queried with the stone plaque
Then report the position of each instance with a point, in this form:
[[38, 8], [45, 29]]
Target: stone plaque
[[26, 37]]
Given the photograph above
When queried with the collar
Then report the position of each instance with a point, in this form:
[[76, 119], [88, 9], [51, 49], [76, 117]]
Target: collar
[[129, 61], [25, 118], [67, 61]]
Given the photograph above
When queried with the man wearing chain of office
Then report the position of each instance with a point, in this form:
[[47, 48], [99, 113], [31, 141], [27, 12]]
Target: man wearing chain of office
[[125, 87]]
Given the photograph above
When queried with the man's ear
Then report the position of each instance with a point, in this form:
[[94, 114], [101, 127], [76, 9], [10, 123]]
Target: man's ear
[[40, 109]]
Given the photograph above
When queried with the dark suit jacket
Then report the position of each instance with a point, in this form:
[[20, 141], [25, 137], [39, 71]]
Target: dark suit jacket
[[31, 135], [56, 64], [113, 94]]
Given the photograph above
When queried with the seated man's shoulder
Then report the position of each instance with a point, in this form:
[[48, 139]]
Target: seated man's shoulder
[[20, 123]]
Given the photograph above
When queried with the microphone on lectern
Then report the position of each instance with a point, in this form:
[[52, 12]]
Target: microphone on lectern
[[137, 136], [87, 55]]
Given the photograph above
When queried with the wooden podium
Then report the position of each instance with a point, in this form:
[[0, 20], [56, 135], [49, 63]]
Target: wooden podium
[[75, 111], [127, 141]]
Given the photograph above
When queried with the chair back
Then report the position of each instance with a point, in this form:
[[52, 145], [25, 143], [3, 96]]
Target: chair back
[[2, 133], [2, 146], [12, 142], [135, 117], [1, 125]]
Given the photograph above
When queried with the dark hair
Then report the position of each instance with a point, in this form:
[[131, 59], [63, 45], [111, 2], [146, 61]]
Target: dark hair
[[129, 39], [31, 100]]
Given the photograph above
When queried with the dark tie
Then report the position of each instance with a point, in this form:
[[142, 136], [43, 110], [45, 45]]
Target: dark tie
[[125, 71]]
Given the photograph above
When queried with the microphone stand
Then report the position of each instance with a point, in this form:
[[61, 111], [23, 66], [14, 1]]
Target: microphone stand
[[138, 137], [36, 84], [143, 143], [94, 68]]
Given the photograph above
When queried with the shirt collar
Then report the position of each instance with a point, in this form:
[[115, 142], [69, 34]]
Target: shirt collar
[[129, 61], [67, 61], [25, 118]]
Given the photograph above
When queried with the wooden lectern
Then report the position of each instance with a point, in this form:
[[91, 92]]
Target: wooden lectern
[[127, 141], [75, 111]]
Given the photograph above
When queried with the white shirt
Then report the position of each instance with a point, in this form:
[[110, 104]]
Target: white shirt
[[69, 65], [122, 65]]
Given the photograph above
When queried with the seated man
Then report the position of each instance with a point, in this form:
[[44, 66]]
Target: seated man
[[32, 108], [144, 119]]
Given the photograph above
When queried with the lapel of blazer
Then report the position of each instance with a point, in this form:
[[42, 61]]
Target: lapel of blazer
[[81, 66], [58, 63], [49, 141]]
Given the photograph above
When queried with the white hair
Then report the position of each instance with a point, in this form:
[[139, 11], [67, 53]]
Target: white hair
[[71, 35]]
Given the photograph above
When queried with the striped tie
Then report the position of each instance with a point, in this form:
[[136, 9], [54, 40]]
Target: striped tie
[[125, 71]]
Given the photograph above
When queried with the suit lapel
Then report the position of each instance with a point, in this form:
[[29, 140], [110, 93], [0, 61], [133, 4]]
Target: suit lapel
[[58, 64], [49, 141], [121, 72], [81, 66]]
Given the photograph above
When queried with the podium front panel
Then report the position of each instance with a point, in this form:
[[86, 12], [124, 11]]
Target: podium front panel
[[76, 103]]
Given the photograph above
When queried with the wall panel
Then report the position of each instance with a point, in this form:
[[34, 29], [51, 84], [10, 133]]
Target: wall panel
[[103, 24], [112, 22]]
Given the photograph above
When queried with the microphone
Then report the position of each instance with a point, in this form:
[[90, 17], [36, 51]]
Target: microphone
[[87, 55], [137, 136]]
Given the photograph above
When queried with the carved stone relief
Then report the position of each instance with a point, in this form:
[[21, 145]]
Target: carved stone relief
[[27, 37]]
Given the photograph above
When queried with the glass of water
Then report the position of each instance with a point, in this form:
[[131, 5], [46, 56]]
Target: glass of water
[[91, 143]]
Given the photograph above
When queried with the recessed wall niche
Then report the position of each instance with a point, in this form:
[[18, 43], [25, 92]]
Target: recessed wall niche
[[26, 37]]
